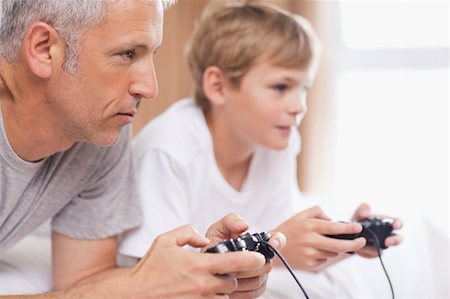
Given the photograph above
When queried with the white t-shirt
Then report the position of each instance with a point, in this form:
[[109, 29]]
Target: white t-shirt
[[180, 183], [179, 180]]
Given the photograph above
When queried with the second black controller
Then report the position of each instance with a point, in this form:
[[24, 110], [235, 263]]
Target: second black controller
[[374, 230]]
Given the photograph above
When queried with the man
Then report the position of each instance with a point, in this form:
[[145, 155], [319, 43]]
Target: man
[[73, 74]]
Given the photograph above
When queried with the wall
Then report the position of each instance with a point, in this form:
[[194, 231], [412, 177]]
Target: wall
[[174, 83]]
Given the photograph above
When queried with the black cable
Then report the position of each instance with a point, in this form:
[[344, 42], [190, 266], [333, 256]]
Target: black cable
[[377, 246], [287, 266]]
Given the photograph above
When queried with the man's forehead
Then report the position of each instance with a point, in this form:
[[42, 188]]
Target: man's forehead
[[135, 12], [130, 23]]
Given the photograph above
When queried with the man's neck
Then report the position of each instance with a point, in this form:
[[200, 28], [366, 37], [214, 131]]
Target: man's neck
[[25, 123]]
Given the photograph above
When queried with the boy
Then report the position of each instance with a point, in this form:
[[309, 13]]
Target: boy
[[234, 147]]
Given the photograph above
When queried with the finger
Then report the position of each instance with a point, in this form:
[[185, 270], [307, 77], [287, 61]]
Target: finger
[[222, 284], [256, 272], [397, 224], [368, 252], [393, 240], [336, 228], [323, 254], [341, 246], [362, 212], [315, 212], [277, 240], [313, 264], [249, 294], [234, 262], [183, 235], [230, 226], [251, 283]]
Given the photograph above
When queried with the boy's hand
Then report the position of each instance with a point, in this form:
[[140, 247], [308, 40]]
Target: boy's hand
[[251, 283], [308, 248], [363, 212]]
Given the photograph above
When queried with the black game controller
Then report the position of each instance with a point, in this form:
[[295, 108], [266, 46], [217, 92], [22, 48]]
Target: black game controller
[[375, 231], [247, 242]]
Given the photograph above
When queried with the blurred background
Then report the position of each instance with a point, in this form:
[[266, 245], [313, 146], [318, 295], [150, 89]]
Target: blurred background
[[377, 125]]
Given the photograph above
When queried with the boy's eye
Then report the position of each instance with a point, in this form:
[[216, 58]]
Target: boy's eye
[[129, 54], [280, 87]]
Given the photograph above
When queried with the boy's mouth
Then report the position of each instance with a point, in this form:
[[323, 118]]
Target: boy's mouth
[[284, 130]]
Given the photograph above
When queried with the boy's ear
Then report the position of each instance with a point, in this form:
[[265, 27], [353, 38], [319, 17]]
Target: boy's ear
[[214, 83], [43, 49]]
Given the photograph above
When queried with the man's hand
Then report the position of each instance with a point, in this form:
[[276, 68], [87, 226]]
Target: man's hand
[[362, 212], [170, 271], [308, 248], [251, 283]]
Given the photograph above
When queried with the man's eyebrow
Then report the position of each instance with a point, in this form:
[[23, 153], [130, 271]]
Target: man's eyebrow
[[126, 46]]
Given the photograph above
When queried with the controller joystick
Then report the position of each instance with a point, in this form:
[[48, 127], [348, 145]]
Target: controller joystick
[[246, 242]]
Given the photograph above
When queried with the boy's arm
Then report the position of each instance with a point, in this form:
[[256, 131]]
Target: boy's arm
[[308, 248]]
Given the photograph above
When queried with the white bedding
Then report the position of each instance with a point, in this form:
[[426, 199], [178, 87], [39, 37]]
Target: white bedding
[[419, 269]]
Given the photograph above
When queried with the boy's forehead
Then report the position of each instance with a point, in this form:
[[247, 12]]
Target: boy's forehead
[[272, 70]]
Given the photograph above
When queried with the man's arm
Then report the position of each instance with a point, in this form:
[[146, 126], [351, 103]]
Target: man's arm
[[166, 271], [76, 260]]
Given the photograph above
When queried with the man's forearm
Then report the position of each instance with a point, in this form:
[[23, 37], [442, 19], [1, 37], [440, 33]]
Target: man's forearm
[[96, 286], [79, 291]]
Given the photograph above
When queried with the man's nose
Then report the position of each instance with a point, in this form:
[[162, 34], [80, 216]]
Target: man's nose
[[145, 84]]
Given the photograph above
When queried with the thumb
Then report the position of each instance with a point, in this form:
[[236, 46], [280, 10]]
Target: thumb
[[363, 211], [278, 240], [230, 226], [183, 235]]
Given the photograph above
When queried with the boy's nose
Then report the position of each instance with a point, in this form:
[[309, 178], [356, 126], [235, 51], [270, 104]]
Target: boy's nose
[[297, 103]]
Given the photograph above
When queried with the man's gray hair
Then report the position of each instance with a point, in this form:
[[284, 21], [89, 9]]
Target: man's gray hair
[[70, 18]]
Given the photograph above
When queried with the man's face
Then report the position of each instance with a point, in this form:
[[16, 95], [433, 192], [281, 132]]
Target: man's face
[[268, 104], [115, 72]]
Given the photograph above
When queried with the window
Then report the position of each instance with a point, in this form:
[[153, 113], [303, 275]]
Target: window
[[392, 107]]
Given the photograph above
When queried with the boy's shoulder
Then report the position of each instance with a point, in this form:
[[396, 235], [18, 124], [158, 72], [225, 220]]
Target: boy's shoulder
[[179, 132]]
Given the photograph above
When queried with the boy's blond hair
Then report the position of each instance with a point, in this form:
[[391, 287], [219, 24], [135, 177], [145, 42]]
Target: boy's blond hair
[[236, 36]]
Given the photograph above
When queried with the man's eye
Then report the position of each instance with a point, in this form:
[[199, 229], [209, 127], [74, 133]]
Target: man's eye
[[280, 87], [128, 54]]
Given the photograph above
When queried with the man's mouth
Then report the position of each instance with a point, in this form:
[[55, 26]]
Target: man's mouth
[[127, 116], [130, 113]]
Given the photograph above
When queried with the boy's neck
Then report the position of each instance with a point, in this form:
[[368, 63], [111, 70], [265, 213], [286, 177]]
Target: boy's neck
[[232, 156]]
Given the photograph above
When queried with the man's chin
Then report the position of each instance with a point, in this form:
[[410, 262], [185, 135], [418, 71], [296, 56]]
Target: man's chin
[[105, 139]]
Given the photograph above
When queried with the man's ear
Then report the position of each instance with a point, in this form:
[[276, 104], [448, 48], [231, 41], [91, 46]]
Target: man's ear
[[43, 49], [214, 85]]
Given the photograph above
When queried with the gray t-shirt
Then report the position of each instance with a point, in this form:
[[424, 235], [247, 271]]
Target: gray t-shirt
[[87, 191]]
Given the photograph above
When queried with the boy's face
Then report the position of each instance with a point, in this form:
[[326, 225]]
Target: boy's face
[[268, 105], [115, 72]]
